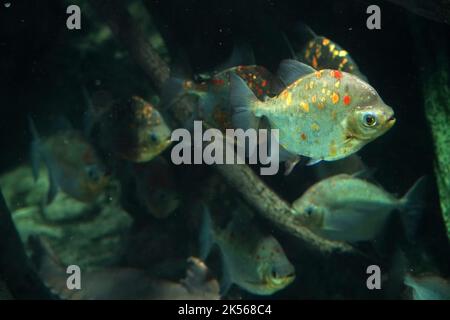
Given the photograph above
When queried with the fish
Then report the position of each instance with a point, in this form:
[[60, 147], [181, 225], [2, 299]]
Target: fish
[[323, 53], [323, 115], [428, 287], [133, 129], [73, 164], [156, 187], [213, 92], [347, 208], [251, 259], [124, 283]]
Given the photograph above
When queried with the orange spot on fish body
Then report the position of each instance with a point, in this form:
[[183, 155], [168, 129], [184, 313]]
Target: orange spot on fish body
[[304, 106], [217, 82], [325, 41], [347, 100], [314, 62], [264, 83], [318, 74], [260, 92], [337, 74], [303, 136], [332, 148], [334, 98]]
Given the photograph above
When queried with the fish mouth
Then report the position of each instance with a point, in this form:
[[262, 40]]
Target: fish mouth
[[281, 281], [391, 121]]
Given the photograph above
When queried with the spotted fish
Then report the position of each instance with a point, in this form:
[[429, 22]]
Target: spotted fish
[[214, 92], [253, 260], [324, 115], [134, 130], [323, 53]]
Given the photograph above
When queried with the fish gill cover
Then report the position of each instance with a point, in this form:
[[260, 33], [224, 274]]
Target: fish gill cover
[[107, 135]]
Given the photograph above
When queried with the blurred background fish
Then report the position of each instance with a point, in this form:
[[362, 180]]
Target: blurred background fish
[[124, 283], [321, 52], [214, 92], [72, 164], [347, 208], [133, 129]]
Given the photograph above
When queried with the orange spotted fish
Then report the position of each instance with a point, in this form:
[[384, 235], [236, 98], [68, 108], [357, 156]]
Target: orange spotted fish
[[135, 130], [322, 53], [72, 164], [323, 115], [214, 92]]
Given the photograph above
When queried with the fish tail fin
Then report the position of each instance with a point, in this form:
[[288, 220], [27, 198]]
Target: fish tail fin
[[243, 102], [36, 157], [413, 204], [34, 149], [206, 238]]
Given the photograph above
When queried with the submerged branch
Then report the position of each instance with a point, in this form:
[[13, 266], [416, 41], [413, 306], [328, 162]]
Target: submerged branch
[[15, 267], [241, 177]]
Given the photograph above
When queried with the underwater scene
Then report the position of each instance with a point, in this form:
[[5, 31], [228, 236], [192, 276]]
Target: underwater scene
[[232, 150]]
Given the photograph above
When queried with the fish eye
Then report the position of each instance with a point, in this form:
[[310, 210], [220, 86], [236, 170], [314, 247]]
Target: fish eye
[[93, 172], [274, 274], [309, 210], [369, 119], [153, 137]]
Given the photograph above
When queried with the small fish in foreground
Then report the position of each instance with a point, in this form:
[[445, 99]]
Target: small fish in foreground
[[428, 287], [346, 208], [324, 115], [72, 164], [254, 261], [134, 130]]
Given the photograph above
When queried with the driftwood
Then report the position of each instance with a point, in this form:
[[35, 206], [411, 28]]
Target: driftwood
[[15, 267], [435, 77], [240, 177]]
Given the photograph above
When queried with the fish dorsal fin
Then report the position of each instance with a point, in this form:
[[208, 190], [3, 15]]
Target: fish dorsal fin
[[365, 174], [291, 70], [242, 54]]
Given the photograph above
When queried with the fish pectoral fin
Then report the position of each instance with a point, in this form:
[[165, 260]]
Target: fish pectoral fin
[[290, 164], [291, 70]]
